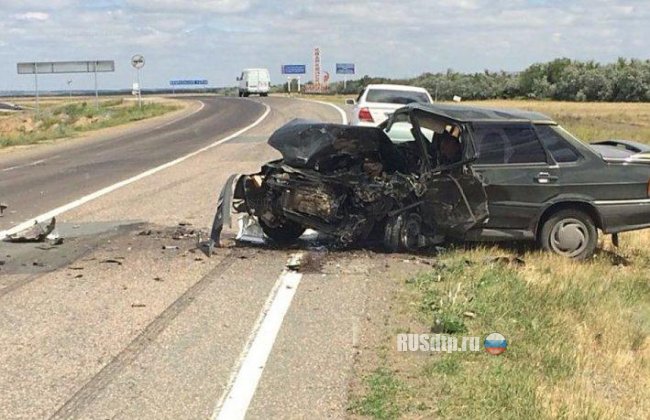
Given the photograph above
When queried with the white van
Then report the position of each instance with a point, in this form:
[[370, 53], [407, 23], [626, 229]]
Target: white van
[[254, 81]]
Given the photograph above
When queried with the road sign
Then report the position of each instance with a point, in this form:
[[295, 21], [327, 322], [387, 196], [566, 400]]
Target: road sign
[[58, 67], [294, 69], [137, 61], [187, 82], [344, 68]]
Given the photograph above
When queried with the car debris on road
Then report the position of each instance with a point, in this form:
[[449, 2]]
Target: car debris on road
[[39, 232]]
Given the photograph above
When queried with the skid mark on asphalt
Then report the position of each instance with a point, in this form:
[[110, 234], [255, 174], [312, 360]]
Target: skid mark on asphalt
[[84, 396], [248, 370]]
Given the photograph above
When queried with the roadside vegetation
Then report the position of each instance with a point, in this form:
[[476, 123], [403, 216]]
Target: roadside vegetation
[[562, 79], [57, 120], [578, 332]]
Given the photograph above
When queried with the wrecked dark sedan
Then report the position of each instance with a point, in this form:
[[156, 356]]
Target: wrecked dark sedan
[[432, 172]]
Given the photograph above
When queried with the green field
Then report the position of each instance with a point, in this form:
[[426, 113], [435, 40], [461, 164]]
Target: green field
[[61, 118], [578, 332]]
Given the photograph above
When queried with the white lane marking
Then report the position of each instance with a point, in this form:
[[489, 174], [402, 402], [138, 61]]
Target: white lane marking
[[344, 115], [27, 165], [111, 188], [247, 372]]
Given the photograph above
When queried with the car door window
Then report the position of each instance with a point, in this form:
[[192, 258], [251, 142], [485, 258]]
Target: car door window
[[561, 150], [508, 144]]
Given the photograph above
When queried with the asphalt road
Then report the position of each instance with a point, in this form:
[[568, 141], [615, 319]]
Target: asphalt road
[[39, 179], [110, 324]]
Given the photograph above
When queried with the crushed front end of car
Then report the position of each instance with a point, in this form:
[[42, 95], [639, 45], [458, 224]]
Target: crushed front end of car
[[349, 183]]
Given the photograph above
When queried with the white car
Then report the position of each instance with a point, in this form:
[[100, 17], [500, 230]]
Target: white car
[[377, 102], [254, 81]]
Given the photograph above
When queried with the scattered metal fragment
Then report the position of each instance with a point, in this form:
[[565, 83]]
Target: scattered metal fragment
[[75, 268], [78, 276], [3, 207], [295, 262], [37, 233], [158, 279], [469, 314], [111, 261], [138, 305], [170, 247]]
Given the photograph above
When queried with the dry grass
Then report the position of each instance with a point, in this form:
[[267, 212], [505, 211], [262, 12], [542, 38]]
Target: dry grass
[[578, 333], [591, 121], [61, 118]]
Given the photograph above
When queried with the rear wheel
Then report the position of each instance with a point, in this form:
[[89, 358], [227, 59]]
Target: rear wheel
[[570, 233], [285, 233]]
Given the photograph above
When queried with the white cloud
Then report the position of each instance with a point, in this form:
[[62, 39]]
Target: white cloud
[[191, 6], [214, 39], [34, 16]]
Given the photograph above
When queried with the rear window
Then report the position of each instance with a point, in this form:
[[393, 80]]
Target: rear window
[[561, 150], [399, 97], [508, 145]]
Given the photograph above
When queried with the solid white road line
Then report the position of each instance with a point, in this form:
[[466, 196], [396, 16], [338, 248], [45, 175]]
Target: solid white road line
[[344, 115], [239, 392], [111, 188]]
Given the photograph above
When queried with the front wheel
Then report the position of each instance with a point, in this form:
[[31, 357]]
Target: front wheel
[[570, 233], [285, 233]]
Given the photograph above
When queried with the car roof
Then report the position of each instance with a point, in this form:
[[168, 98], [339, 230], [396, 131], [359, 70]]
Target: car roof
[[397, 87], [463, 113]]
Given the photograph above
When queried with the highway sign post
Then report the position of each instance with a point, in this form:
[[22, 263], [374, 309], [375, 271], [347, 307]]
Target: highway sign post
[[63, 67], [137, 61], [345, 69], [293, 71]]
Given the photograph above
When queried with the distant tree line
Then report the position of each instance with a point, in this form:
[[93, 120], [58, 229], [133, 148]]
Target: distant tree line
[[561, 79]]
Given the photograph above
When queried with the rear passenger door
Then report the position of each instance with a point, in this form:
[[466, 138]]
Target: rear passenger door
[[518, 175]]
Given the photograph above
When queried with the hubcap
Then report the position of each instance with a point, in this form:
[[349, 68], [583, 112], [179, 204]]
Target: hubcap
[[569, 237]]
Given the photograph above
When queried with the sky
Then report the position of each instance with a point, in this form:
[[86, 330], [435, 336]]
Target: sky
[[215, 39]]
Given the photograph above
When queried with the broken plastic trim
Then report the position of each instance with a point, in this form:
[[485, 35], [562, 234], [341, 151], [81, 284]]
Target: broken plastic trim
[[223, 215]]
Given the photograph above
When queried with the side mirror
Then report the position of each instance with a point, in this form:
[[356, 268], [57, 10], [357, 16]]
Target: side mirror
[[350, 102]]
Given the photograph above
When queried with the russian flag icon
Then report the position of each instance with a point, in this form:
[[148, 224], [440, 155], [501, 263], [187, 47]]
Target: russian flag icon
[[495, 344]]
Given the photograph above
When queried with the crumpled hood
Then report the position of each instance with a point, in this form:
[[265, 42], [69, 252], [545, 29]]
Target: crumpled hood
[[310, 144]]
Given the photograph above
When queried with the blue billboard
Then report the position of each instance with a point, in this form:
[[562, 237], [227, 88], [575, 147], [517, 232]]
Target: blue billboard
[[187, 82], [344, 68], [294, 69]]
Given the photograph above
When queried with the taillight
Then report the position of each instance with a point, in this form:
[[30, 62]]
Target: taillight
[[364, 115]]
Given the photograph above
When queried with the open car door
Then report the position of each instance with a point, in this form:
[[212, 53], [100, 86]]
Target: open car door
[[455, 201]]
